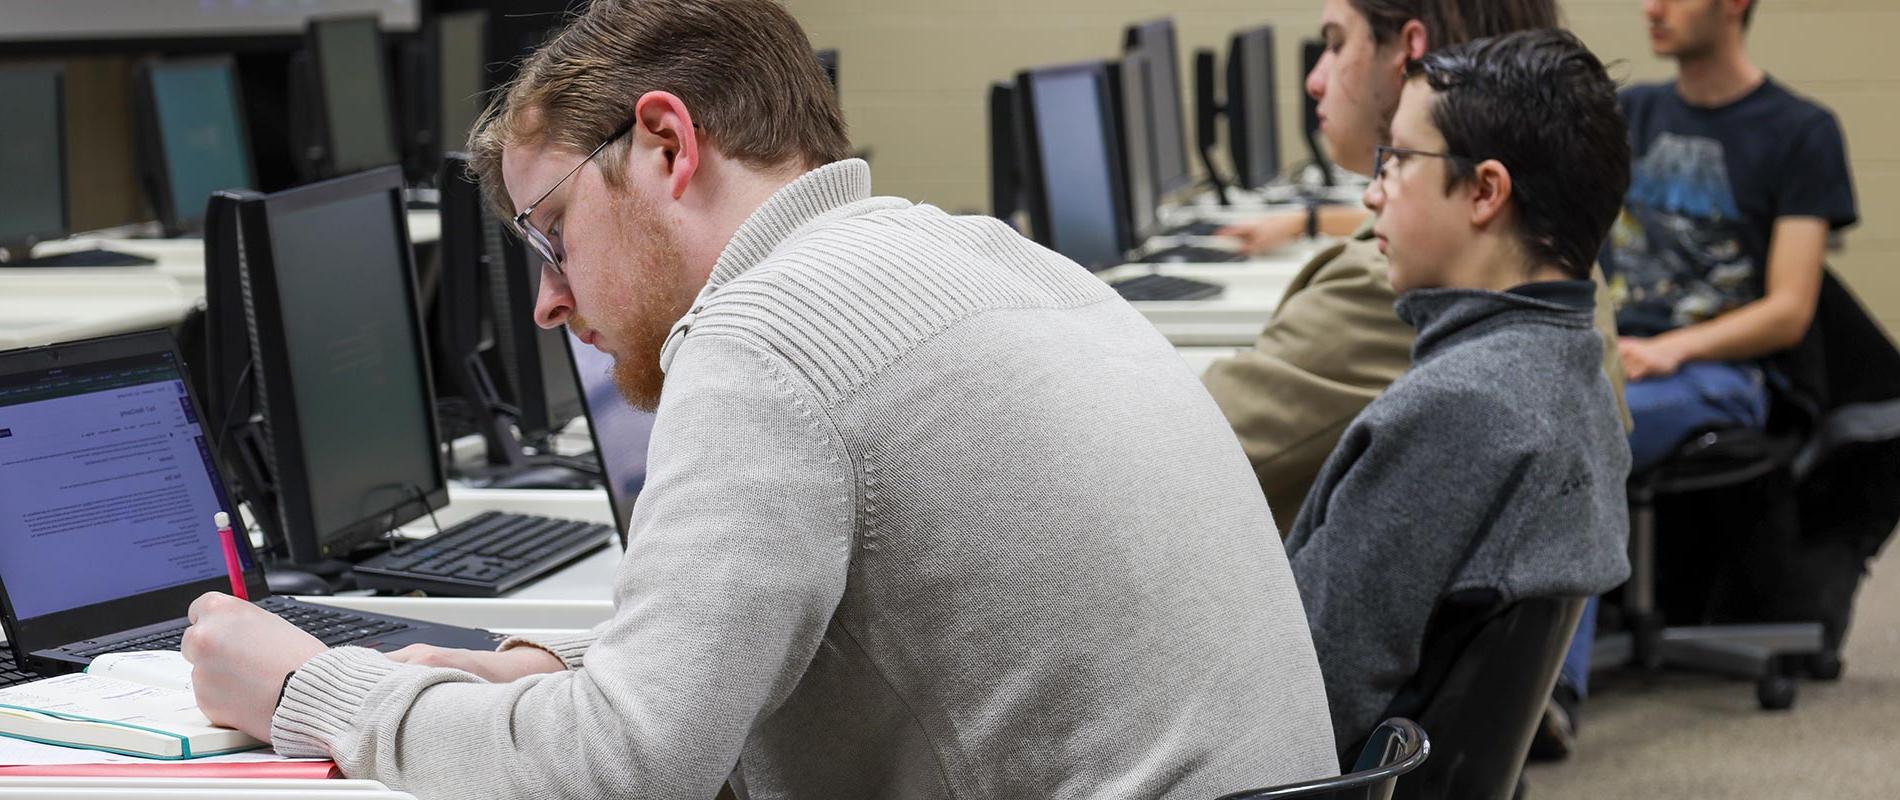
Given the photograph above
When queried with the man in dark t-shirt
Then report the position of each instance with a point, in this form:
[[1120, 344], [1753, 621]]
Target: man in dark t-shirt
[[1716, 260]]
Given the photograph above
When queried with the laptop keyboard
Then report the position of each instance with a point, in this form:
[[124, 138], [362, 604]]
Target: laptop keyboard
[[10, 672], [1164, 287], [485, 556], [331, 626]]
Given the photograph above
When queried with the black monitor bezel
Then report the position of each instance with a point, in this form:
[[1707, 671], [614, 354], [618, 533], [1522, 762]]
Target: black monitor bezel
[[1036, 191], [151, 138], [1241, 139], [319, 110], [99, 619], [1006, 188], [437, 91], [305, 544], [58, 75], [1147, 36], [539, 417]]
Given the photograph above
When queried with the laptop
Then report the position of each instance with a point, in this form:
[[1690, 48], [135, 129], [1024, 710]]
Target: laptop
[[108, 488]]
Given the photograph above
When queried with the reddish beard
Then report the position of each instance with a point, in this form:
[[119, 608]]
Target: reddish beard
[[651, 298]]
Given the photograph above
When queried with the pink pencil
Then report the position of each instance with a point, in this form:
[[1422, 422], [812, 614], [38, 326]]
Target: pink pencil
[[229, 539]]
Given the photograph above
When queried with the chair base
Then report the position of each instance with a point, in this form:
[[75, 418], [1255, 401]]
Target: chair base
[[1763, 653]]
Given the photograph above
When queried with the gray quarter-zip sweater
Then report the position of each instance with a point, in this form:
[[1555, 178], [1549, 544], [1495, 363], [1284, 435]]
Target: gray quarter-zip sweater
[[930, 513], [1496, 463]]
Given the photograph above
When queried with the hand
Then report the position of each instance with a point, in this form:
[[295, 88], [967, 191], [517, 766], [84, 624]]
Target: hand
[[1647, 358], [239, 655], [1267, 233], [494, 666]]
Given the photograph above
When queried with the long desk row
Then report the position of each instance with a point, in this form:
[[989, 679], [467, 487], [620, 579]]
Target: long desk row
[[42, 305], [45, 305]]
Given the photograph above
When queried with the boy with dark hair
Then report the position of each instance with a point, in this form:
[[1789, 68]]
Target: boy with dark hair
[[1491, 471]]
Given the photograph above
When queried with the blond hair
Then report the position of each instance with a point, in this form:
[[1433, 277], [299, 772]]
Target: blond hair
[[743, 68]]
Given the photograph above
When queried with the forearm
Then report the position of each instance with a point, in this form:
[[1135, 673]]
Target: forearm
[[1755, 330], [1342, 220]]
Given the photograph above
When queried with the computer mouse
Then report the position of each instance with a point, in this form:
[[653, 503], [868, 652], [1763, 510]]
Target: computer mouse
[[295, 581]]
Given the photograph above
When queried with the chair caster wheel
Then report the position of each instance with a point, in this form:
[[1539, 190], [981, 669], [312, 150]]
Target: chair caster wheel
[[1775, 692], [1824, 666]]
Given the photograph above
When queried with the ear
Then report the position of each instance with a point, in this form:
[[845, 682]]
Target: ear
[[662, 122], [1413, 40], [1490, 188]]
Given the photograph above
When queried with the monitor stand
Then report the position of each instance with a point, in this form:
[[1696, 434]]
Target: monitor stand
[[79, 258]]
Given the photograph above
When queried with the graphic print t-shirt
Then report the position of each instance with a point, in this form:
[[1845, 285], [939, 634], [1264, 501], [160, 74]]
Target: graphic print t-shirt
[[1707, 185]]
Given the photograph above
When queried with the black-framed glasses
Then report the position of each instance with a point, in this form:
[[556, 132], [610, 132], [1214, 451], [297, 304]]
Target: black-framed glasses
[[544, 247], [1381, 154]]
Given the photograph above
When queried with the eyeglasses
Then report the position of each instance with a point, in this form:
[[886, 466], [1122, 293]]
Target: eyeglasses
[[1383, 153], [543, 246]]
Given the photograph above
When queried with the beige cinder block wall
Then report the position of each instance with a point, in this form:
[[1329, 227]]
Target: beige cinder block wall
[[914, 73]]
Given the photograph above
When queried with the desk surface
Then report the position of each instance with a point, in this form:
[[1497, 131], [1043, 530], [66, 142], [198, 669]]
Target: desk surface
[[42, 305]]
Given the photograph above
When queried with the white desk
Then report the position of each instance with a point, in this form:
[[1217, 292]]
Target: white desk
[[41, 305], [37, 309], [1251, 290], [25, 788]]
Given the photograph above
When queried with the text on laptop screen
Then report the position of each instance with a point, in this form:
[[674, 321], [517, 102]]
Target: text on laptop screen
[[107, 487]]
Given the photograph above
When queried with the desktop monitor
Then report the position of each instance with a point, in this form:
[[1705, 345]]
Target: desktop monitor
[[534, 359], [1070, 151], [192, 140], [828, 59], [620, 431], [462, 75], [342, 369], [1167, 133], [350, 106], [1251, 110], [1137, 150], [1311, 51], [445, 77], [464, 331], [1005, 173], [32, 156]]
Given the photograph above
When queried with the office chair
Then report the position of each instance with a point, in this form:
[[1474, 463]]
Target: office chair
[[1398, 746], [1483, 679]]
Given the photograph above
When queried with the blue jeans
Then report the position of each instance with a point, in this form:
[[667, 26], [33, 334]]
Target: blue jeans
[[1700, 396], [1668, 410]]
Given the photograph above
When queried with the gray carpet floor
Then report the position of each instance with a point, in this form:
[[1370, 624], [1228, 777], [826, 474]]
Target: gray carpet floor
[[1687, 736]]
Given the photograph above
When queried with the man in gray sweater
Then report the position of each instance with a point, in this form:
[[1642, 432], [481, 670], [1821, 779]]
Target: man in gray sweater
[[1493, 469], [931, 512]]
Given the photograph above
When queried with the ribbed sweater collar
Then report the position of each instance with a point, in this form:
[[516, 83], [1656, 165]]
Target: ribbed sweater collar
[[1445, 316], [812, 195]]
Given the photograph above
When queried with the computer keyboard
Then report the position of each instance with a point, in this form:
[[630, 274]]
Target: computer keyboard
[[331, 626], [84, 258], [1193, 229], [1164, 287], [10, 672], [1188, 254], [483, 557]]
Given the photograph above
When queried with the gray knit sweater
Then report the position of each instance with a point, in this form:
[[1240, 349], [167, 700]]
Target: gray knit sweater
[[1495, 464], [930, 513]]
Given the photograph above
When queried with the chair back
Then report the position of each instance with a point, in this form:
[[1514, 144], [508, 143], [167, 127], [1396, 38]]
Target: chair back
[[1398, 746], [1484, 712]]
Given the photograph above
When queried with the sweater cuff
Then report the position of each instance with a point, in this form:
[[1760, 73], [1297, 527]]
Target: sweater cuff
[[323, 698], [570, 648]]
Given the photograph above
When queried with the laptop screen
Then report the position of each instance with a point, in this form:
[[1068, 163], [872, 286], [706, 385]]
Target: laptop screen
[[107, 483], [620, 431]]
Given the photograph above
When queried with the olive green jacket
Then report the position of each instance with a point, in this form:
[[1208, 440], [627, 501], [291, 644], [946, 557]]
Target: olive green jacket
[[1332, 345]]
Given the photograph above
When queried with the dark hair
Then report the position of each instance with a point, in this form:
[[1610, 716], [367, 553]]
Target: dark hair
[[743, 67], [1542, 104], [1453, 21], [1748, 14]]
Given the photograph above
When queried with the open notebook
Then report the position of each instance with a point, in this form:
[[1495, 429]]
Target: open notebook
[[135, 703]]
